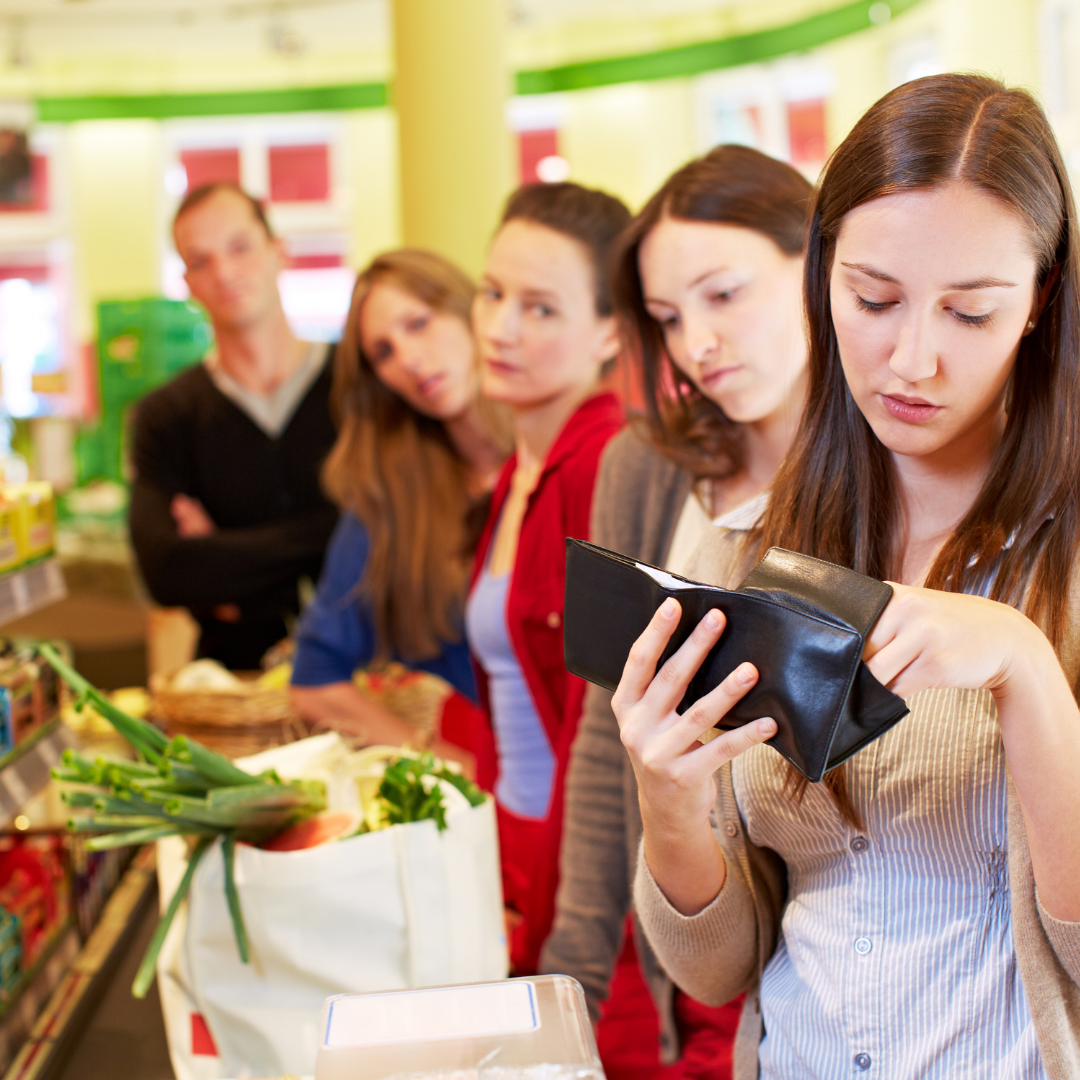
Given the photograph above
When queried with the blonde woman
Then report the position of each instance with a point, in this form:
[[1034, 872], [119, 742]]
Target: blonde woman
[[416, 456]]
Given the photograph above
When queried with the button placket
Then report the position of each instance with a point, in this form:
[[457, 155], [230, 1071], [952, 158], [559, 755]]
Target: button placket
[[864, 862]]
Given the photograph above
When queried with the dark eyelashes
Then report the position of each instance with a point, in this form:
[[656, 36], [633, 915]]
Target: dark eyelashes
[[973, 320], [869, 305], [967, 320]]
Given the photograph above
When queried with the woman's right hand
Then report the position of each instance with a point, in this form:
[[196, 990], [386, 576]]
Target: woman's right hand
[[674, 770]]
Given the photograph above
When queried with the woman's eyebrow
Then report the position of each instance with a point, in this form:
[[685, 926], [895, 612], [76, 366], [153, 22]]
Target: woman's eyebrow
[[983, 283], [539, 294], [960, 286], [870, 271]]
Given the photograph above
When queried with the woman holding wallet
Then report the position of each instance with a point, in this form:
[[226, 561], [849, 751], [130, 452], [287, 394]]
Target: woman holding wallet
[[708, 284], [417, 453], [544, 323], [918, 912]]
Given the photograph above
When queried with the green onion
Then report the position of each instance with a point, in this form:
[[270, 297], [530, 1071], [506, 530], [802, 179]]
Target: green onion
[[148, 968], [180, 789]]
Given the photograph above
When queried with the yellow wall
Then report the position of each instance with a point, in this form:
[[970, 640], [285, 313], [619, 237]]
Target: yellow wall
[[369, 147], [627, 139], [115, 178]]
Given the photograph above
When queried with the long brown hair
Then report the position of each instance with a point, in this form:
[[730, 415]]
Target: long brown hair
[[835, 496], [398, 472], [730, 185]]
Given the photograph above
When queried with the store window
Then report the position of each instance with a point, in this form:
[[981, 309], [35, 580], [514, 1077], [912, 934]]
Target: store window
[[31, 361], [210, 166], [299, 173], [806, 132], [539, 158], [36, 200]]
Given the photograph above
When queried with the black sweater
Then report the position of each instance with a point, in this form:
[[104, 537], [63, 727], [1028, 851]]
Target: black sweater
[[263, 494]]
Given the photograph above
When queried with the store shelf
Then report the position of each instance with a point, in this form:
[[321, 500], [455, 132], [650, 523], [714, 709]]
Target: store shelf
[[21, 1013], [25, 770], [30, 588], [77, 990]]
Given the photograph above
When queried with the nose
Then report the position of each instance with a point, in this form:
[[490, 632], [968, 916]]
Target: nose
[[700, 339], [411, 357], [498, 322], [914, 356]]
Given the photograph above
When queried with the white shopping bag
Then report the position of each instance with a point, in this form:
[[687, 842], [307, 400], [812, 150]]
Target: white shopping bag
[[403, 907]]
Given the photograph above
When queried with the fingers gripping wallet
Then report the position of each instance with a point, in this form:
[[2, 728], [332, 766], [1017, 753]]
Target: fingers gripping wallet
[[800, 621]]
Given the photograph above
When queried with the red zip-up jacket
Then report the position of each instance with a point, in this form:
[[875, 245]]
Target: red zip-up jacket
[[557, 508]]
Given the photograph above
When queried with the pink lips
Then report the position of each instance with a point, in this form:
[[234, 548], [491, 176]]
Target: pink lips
[[500, 367], [911, 410], [431, 384], [715, 375]]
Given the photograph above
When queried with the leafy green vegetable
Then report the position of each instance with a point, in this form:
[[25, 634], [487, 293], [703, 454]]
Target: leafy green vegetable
[[407, 798]]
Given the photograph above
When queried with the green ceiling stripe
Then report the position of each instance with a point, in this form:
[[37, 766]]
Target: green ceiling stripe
[[245, 102], [678, 62], [705, 56]]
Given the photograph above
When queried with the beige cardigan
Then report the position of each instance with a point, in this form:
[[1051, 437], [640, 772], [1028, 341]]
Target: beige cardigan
[[723, 950]]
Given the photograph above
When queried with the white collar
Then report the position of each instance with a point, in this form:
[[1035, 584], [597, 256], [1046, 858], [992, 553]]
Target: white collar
[[745, 516]]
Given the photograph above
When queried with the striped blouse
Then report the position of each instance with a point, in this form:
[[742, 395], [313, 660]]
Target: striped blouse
[[896, 954]]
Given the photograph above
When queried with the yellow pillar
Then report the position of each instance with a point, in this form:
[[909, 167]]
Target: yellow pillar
[[450, 87], [115, 170]]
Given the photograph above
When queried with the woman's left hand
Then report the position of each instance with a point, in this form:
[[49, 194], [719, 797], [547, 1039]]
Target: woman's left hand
[[931, 639]]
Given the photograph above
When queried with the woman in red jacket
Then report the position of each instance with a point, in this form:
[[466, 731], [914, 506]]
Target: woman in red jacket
[[543, 319]]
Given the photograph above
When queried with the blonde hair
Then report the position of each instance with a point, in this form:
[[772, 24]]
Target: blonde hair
[[398, 472]]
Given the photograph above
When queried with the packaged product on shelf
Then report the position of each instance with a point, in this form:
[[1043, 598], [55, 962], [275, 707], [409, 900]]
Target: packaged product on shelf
[[36, 518], [34, 887], [94, 875], [10, 953], [12, 553], [30, 694]]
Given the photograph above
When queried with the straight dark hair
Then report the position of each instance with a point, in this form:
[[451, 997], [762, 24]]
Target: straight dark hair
[[730, 185], [835, 495]]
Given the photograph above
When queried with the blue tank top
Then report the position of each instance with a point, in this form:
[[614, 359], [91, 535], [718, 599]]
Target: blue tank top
[[526, 761]]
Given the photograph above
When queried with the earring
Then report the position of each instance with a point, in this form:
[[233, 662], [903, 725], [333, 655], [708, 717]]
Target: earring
[[1031, 324]]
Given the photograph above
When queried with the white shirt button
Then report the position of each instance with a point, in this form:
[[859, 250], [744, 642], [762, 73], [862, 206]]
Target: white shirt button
[[863, 945]]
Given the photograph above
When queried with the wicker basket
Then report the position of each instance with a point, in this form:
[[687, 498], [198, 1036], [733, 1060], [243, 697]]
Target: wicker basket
[[233, 722], [415, 696]]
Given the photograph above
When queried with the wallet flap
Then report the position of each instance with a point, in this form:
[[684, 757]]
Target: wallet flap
[[818, 587]]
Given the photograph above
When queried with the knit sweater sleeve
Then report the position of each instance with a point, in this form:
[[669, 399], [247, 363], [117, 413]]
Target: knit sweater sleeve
[[718, 953], [710, 955], [1065, 939]]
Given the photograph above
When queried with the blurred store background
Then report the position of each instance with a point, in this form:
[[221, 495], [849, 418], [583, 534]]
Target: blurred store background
[[362, 125], [110, 110]]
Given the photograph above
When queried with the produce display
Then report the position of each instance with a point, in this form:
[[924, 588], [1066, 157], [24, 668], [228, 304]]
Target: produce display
[[177, 787]]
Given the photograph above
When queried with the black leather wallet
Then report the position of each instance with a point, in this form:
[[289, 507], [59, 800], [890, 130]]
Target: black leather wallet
[[800, 621]]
